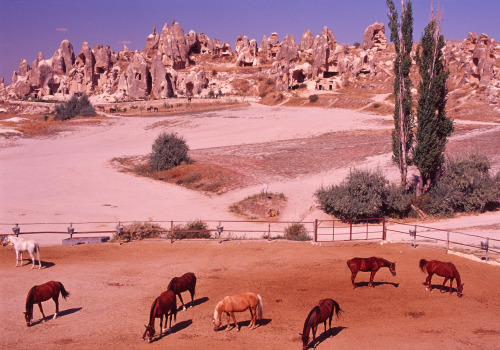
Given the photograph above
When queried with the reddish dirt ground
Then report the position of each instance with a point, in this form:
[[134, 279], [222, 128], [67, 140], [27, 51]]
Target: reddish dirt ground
[[112, 287]]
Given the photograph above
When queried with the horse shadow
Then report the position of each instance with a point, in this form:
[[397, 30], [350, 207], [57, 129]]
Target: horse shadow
[[60, 314], [261, 322], [376, 284], [175, 328], [196, 302], [332, 332], [45, 264], [446, 289]]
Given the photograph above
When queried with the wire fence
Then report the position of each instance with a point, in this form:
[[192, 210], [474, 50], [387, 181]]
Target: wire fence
[[317, 230]]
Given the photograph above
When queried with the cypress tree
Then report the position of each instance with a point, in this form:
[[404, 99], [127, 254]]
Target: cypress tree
[[402, 37], [433, 127]]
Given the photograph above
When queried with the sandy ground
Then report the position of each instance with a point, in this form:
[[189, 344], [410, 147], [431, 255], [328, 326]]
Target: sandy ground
[[69, 178], [112, 287]]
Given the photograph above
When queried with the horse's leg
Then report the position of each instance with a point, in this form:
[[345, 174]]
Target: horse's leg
[[17, 258], [353, 277], [228, 321], [235, 323], [372, 274], [442, 286], [182, 302], [161, 325], [192, 291], [314, 328], [251, 317], [41, 310], [451, 284], [32, 259], [56, 300], [428, 281]]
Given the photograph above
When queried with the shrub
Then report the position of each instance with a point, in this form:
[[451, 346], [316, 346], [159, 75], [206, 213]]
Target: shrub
[[140, 230], [360, 196], [75, 106], [194, 229], [396, 202], [466, 186], [211, 93], [297, 232], [169, 150], [313, 98]]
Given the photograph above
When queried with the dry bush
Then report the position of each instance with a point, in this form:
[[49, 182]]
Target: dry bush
[[257, 206], [242, 87], [140, 230]]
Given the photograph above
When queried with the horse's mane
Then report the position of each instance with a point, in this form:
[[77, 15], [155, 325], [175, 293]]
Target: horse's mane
[[152, 310], [171, 284], [30, 299], [384, 260], [305, 331], [216, 313]]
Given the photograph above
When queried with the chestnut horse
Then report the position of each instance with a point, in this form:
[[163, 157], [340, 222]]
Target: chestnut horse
[[43, 292], [238, 303], [372, 264], [166, 305], [320, 313], [443, 269], [186, 282]]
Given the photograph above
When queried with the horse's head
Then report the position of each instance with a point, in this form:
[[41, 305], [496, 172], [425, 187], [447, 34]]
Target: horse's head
[[6, 240], [148, 333], [28, 316], [305, 340], [217, 316], [392, 268], [460, 288]]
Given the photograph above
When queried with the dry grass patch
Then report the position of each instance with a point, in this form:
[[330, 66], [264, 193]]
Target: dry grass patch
[[260, 206]]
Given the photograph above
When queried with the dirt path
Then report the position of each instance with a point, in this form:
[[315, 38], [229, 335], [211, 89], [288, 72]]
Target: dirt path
[[112, 287]]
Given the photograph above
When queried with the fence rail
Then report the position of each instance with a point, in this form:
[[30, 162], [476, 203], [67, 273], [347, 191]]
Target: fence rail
[[318, 230]]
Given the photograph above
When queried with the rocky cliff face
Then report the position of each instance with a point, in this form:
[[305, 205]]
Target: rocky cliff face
[[173, 63]]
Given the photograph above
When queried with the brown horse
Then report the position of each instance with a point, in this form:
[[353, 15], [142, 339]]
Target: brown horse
[[372, 264], [238, 303], [166, 305], [443, 269], [320, 313], [186, 282], [43, 292]]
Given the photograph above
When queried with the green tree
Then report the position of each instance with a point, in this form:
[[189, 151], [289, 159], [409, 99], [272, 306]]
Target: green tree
[[433, 127], [169, 150], [402, 37]]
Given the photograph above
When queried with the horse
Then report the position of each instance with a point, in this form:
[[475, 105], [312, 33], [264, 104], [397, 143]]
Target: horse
[[443, 269], [372, 264], [166, 305], [320, 313], [238, 303], [44, 292], [22, 245], [186, 282]]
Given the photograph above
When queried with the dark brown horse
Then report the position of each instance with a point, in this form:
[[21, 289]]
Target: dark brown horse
[[319, 314], [372, 264], [186, 282], [43, 292], [443, 269], [164, 305]]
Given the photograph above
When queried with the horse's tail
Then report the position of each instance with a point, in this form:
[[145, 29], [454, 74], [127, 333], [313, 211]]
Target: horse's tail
[[336, 308], [64, 292], [423, 264], [259, 309], [37, 249]]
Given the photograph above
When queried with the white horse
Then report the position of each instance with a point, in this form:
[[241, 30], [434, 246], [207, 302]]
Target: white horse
[[22, 245]]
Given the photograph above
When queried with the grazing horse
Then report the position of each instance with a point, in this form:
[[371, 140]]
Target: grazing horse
[[43, 292], [186, 282], [320, 313], [443, 269], [238, 303], [372, 264], [22, 245], [166, 305]]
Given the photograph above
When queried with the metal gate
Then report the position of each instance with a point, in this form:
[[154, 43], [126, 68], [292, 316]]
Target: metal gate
[[349, 230]]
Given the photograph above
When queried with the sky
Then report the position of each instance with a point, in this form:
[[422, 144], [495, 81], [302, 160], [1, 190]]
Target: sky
[[28, 27]]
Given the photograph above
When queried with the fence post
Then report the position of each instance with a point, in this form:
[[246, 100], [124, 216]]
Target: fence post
[[415, 238], [333, 230], [171, 232], [71, 230], [350, 229], [315, 230], [447, 241], [269, 232], [384, 229], [366, 229], [16, 230]]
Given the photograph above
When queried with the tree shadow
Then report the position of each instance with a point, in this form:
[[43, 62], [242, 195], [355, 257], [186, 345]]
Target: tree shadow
[[325, 335], [375, 284], [60, 314]]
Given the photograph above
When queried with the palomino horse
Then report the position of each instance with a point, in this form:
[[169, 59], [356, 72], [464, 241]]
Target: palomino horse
[[443, 269], [238, 303], [43, 292], [320, 313], [372, 264], [22, 245], [166, 305], [186, 282]]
